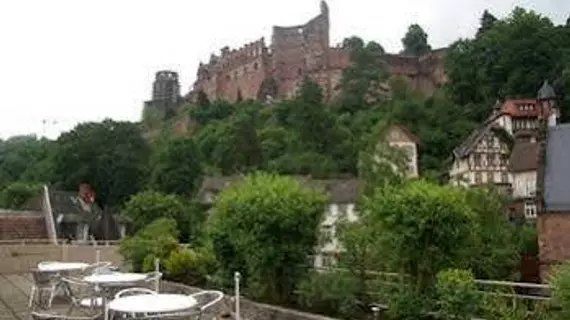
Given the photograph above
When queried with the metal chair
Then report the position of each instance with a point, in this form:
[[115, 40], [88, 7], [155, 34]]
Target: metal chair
[[83, 294], [212, 296], [133, 291], [153, 278], [98, 267], [43, 281], [55, 316]]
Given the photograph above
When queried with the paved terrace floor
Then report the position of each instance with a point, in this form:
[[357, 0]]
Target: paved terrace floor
[[14, 294]]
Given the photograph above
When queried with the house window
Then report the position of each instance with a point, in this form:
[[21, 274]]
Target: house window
[[478, 178], [327, 233], [477, 159], [504, 177], [530, 209], [327, 261]]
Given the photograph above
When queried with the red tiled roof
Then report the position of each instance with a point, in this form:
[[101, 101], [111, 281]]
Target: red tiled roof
[[520, 108], [14, 227]]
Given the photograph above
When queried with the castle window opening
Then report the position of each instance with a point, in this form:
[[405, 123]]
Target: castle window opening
[[228, 77], [300, 71], [255, 66]]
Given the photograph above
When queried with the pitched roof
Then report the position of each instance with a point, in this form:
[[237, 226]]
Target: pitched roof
[[520, 108], [70, 203], [524, 156], [465, 148], [17, 226], [546, 92], [339, 190], [557, 169], [407, 132]]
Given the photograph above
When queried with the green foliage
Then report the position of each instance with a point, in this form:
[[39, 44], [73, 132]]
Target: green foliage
[[512, 58], [265, 226], [14, 195], [487, 22], [333, 294], [495, 247], [111, 156], [176, 167], [156, 240], [560, 291], [528, 239], [457, 294], [189, 266], [24, 158], [147, 206], [361, 82], [426, 228], [416, 41]]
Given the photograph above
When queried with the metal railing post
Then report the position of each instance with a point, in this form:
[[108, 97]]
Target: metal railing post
[[236, 279]]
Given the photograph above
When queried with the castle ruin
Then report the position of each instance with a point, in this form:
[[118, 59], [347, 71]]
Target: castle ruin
[[258, 71]]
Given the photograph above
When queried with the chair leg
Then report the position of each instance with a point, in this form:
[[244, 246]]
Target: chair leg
[[32, 296], [51, 295]]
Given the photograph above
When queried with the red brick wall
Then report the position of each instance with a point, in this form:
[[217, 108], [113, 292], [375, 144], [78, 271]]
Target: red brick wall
[[553, 240], [22, 227]]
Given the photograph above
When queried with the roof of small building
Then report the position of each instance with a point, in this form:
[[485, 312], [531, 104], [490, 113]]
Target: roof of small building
[[557, 169], [339, 190], [546, 92], [524, 156]]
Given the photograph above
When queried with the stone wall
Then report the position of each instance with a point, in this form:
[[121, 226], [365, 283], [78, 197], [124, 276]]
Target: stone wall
[[21, 258], [249, 310], [553, 240]]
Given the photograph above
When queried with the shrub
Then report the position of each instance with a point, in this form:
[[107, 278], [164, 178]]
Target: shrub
[[457, 294], [157, 240], [332, 294], [560, 291], [189, 266], [265, 226]]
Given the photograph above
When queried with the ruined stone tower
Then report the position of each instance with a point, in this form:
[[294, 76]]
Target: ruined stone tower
[[297, 52]]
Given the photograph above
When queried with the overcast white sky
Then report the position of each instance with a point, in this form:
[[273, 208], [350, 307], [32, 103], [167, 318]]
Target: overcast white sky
[[67, 61]]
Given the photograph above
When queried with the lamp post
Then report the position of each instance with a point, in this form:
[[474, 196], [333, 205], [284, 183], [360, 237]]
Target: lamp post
[[375, 312], [237, 276]]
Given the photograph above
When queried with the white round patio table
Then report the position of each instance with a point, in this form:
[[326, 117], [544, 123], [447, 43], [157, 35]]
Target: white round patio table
[[153, 303], [115, 277], [61, 266]]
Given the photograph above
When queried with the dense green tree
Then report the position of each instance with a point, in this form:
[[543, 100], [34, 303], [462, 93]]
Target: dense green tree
[[361, 84], [14, 195], [265, 226], [176, 167], [487, 22], [416, 41], [111, 156], [24, 158], [206, 112], [513, 58]]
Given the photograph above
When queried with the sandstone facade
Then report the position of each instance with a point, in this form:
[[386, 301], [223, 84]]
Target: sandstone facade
[[257, 71]]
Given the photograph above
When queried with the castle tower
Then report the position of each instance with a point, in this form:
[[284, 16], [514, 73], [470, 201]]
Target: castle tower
[[546, 98], [166, 88]]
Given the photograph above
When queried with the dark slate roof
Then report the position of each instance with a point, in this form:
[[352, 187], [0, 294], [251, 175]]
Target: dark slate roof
[[546, 92], [524, 156], [557, 170], [339, 190]]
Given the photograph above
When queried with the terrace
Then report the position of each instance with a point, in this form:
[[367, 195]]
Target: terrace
[[19, 257]]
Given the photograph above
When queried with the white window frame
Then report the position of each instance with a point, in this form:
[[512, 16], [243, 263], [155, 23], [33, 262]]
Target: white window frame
[[530, 209]]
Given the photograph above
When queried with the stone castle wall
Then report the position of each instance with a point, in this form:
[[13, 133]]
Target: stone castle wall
[[297, 52]]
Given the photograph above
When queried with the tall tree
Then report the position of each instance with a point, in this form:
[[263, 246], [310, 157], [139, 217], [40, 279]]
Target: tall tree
[[176, 167], [24, 158], [487, 22], [361, 84], [416, 41], [111, 156], [264, 226], [506, 65]]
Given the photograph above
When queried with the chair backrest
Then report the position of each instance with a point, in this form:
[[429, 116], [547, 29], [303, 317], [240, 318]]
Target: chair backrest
[[134, 291], [153, 276], [43, 278], [207, 298], [98, 267]]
